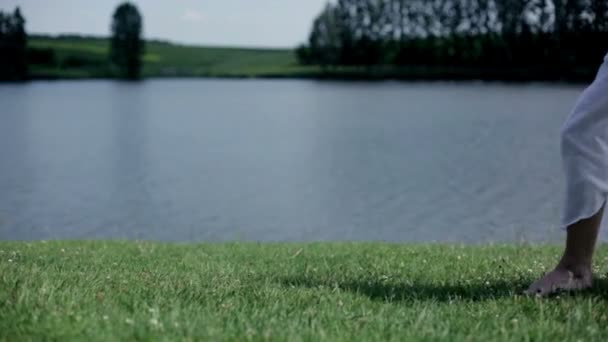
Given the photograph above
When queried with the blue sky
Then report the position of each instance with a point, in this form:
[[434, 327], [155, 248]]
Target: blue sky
[[266, 23]]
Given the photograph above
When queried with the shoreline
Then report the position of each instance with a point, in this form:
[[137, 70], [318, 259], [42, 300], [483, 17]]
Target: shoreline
[[330, 77]]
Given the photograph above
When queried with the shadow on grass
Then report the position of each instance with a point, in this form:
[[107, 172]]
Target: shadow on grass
[[394, 292]]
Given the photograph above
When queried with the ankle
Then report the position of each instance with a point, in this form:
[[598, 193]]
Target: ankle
[[579, 268]]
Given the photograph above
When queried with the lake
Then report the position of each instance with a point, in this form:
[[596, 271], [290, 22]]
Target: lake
[[282, 160]]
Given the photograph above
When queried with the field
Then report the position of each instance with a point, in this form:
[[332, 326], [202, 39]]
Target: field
[[88, 58], [288, 292]]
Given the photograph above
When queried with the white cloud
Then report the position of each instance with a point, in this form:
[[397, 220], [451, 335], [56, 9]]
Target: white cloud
[[192, 16]]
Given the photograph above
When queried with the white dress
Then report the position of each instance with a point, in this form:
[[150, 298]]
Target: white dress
[[585, 152]]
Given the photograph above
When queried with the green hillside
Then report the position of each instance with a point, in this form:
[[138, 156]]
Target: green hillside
[[88, 57]]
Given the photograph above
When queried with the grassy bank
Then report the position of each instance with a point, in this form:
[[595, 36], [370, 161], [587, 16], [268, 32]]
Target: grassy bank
[[88, 58], [331, 292]]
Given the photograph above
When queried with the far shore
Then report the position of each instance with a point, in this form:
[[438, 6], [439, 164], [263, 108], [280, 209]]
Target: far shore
[[86, 58]]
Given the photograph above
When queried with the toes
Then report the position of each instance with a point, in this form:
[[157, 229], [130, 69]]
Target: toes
[[536, 290], [548, 287]]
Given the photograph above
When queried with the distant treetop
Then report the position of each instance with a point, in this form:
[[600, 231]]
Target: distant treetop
[[13, 46], [127, 45]]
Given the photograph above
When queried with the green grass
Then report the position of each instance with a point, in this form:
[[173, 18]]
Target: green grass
[[167, 60], [291, 292]]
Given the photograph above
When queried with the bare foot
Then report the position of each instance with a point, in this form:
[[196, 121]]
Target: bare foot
[[561, 279]]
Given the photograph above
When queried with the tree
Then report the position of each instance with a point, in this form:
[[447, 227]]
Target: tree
[[600, 15], [127, 46], [13, 46], [324, 40], [556, 38]]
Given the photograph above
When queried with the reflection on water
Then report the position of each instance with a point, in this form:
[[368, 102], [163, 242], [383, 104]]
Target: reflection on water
[[215, 160]]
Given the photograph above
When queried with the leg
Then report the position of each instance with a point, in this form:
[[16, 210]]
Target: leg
[[585, 154], [573, 272]]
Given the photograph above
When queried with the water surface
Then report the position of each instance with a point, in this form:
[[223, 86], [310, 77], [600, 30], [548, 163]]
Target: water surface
[[265, 160]]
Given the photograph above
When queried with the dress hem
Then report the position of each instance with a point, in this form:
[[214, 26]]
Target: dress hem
[[568, 223]]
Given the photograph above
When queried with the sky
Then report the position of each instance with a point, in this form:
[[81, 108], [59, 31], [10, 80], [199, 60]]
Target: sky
[[254, 23]]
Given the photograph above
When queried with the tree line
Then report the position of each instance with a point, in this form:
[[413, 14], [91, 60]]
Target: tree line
[[125, 51], [459, 33], [13, 42]]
